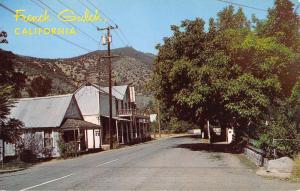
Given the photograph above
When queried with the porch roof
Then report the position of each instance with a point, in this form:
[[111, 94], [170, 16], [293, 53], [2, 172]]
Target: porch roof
[[75, 123], [116, 118]]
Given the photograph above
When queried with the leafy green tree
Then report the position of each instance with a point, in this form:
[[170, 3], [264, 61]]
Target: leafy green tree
[[294, 105], [229, 19], [8, 74], [282, 23], [9, 128], [11, 83], [40, 86], [227, 73]]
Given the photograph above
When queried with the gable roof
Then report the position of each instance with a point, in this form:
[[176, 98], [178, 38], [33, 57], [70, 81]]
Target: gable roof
[[42, 112], [88, 84], [117, 91], [87, 98]]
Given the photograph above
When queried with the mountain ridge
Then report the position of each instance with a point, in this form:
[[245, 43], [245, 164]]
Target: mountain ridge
[[131, 67]]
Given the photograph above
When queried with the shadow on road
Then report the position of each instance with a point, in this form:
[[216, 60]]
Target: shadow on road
[[213, 147], [224, 148], [188, 136]]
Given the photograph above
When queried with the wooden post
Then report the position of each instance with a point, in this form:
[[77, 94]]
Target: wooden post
[[131, 127], [122, 131], [79, 141], [140, 129], [127, 128], [117, 131], [86, 139]]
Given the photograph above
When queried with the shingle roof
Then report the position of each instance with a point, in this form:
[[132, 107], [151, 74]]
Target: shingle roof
[[75, 123], [41, 111]]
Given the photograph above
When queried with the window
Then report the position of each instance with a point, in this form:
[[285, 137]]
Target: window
[[97, 133], [48, 142]]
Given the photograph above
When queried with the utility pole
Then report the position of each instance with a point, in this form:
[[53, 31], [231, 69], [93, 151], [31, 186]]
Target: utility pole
[[107, 40], [99, 100]]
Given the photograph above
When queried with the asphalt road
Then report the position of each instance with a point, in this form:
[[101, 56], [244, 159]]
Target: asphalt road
[[167, 164]]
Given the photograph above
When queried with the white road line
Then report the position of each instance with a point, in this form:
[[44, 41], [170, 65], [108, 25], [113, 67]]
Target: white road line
[[107, 162], [46, 182]]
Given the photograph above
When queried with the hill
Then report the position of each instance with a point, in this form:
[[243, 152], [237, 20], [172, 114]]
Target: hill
[[131, 67]]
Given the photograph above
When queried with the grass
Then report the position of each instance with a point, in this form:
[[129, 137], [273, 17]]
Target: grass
[[296, 170]]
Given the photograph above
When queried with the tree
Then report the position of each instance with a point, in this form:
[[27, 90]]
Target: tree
[[40, 86], [8, 75], [226, 73], [11, 82], [283, 24], [9, 128], [293, 103]]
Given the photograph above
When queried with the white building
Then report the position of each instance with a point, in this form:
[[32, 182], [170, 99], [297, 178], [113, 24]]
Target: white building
[[44, 118]]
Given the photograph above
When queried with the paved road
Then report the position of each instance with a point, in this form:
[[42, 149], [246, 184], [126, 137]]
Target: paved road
[[168, 164]]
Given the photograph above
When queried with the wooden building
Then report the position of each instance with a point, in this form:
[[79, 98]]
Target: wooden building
[[46, 118]]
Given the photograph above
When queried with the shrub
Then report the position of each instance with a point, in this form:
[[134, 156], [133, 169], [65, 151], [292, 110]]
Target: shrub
[[179, 126], [31, 147], [27, 156], [67, 150], [280, 134]]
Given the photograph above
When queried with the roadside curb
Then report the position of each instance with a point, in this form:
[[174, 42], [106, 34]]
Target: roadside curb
[[12, 170]]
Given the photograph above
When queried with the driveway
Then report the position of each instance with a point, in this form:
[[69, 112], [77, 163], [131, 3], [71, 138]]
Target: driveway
[[179, 163]]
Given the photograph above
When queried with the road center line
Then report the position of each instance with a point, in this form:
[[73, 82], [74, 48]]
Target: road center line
[[107, 162], [46, 182]]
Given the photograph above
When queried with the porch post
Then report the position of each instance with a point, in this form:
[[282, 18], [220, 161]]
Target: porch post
[[86, 140], [140, 128], [126, 124], [144, 132], [122, 131], [131, 128], [79, 141], [117, 130]]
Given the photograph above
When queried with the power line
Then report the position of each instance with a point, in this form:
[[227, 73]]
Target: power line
[[123, 42], [87, 35], [124, 36], [68, 7], [111, 21], [66, 40], [242, 5]]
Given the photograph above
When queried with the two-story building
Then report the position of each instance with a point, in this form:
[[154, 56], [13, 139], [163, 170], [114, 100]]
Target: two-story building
[[129, 126]]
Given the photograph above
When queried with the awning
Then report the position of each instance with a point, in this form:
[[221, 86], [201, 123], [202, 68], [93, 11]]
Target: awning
[[78, 124]]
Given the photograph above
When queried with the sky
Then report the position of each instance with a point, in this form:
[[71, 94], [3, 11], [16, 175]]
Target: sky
[[142, 23]]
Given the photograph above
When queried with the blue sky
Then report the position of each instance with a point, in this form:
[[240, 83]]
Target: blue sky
[[143, 22]]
